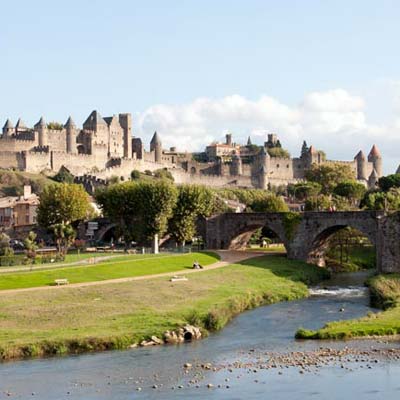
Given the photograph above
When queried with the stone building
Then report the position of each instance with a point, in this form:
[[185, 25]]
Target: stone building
[[105, 148]]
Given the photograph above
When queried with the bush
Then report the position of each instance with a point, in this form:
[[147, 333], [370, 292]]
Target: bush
[[135, 174]]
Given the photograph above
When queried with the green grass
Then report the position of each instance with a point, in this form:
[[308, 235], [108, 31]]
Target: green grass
[[385, 293], [271, 249], [360, 258], [12, 182], [123, 267], [116, 315]]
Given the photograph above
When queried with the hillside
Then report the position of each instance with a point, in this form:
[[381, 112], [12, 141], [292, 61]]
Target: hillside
[[12, 182]]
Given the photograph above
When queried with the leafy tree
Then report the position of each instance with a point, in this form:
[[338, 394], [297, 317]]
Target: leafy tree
[[64, 235], [304, 190], [31, 246], [5, 248], [135, 175], [113, 180], [62, 203], [385, 183], [378, 200], [163, 174], [318, 203], [64, 176], [192, 201], [352, 190], [57, 126], [329, 175], [278, 152], [140, 209], [270, 203]]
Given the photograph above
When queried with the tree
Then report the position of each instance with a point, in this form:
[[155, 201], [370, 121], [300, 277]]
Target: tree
[[31, 246], [56, 126], [163, 174], [64, 176], [385, 183], [305, 190], [192, 201], [141, 210], [64, 235], [62, 203], [278, 152], [318, 203], [352, 190], [329, 175], [378, 200], [5, 248], [135, 175], [270, 203]]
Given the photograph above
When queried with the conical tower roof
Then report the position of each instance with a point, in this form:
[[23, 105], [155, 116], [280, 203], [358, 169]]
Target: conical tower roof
[[398, 170], [360, 156], [374, 152], [20, 124], [94, 119], [40, 123], [312, 149], [70, 123], [249, 141], [8, 125], [155, 139]]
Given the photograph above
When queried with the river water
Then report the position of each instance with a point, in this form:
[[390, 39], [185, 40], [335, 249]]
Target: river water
[[158, 373]]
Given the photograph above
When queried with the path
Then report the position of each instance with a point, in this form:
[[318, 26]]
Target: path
[[227, 257]]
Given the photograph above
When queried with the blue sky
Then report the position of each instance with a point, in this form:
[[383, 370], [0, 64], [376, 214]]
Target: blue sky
[[156, 59]]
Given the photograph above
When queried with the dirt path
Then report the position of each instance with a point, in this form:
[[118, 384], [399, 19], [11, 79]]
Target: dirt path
[[227, 257]]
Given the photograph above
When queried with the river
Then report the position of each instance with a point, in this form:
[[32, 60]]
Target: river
[[158, 373]]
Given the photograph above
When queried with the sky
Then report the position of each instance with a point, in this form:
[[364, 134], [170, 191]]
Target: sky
[[323, 71]]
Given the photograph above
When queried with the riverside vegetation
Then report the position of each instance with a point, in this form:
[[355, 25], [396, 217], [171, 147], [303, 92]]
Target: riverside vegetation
[[115, 316], [385, 294]]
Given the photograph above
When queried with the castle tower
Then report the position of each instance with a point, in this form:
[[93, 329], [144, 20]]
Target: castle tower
[[361, 162], [375, 158], [125, 120], [373, 179], [263, 178], [156, 146], [20, 126], [228, 139], [42, 129], [8, 129], [71, 136], [265, 159], [237, 166]]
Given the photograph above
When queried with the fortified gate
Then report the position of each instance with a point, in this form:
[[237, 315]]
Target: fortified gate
[[305, 236]]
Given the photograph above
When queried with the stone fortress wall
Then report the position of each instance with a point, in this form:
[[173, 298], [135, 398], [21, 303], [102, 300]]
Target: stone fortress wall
[[105, 147]]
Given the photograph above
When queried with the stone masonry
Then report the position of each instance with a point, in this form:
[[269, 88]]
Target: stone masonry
[[307, 239], [104, 148]]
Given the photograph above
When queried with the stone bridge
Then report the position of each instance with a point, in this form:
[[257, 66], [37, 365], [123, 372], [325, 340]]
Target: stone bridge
[[305, 235]]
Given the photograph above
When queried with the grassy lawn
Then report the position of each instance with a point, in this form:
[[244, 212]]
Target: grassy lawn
[[385, 293], [271, 249], [359, 258], [122, 267], [116, 315]]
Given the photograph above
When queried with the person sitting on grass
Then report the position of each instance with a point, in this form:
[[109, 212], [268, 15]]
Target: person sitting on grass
[[196, 265]]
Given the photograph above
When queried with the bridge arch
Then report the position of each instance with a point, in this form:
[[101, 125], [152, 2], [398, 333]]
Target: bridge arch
[[321, 242], [233, 230]]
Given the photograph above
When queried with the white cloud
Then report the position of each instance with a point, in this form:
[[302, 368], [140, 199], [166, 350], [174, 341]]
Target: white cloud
[[335, 121]]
